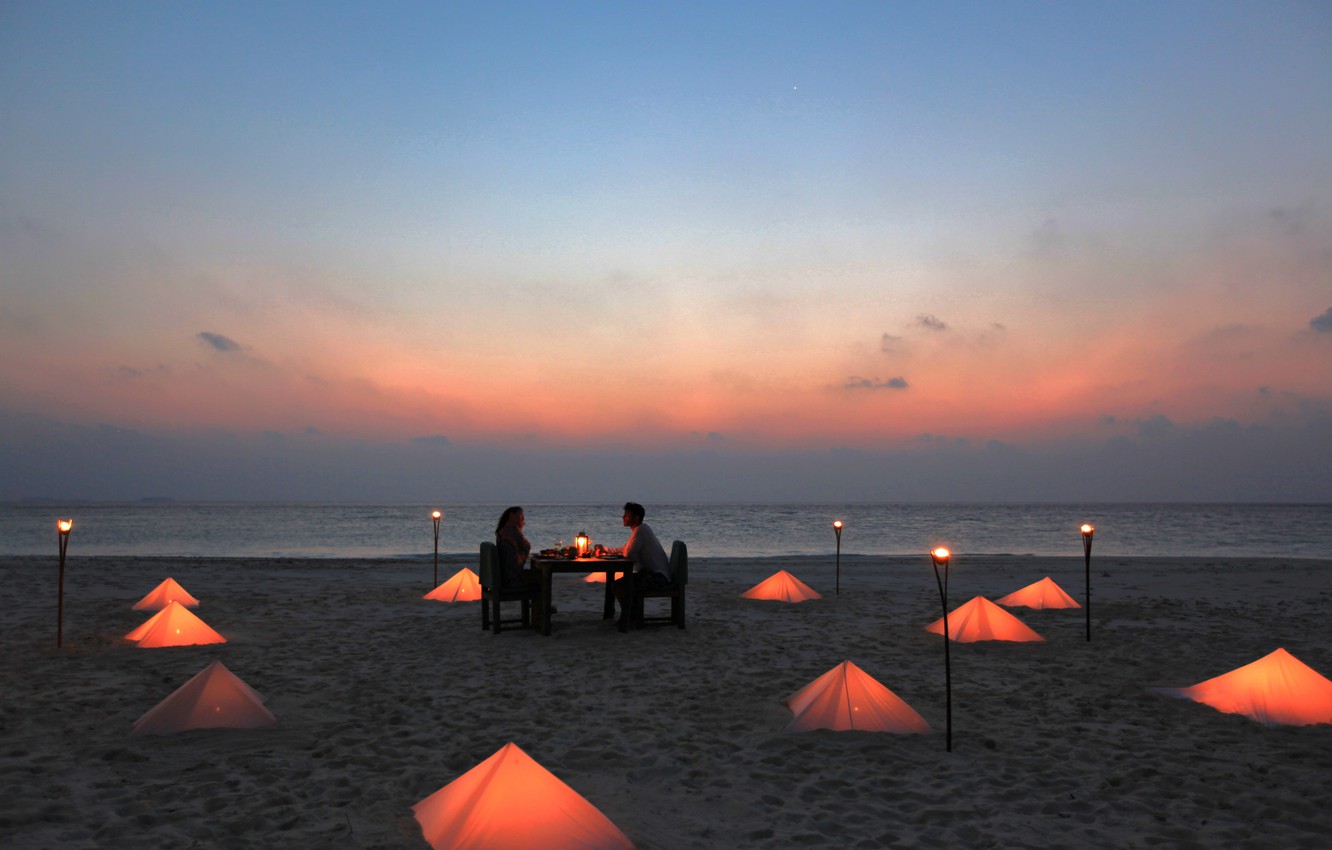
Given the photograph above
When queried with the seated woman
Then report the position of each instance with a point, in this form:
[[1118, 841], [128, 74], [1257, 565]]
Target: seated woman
[[514, 549]]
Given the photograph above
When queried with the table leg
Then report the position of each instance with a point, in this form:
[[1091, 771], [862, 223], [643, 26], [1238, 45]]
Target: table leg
[[627, 609], [545, 601], [608, 608]]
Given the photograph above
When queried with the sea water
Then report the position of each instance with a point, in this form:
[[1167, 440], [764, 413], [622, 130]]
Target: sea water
[[712, 530]]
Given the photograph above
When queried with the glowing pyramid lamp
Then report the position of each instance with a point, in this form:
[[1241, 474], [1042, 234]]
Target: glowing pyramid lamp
[[214, 698], [174, 625], [165, 592], [464, 586], [980, 619], [781, 586], [1043, 594], [1276, 690], [509, 802], [847, 698]]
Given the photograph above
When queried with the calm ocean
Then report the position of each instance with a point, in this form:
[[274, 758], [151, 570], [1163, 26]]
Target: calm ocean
[[712, 530]]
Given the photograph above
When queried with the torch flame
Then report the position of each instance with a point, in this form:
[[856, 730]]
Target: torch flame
[[837, 523], [1087, 529], [436, 515], [941, 553], [65, 525]]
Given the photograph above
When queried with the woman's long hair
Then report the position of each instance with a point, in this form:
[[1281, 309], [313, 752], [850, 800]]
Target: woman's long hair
[[504, 517]]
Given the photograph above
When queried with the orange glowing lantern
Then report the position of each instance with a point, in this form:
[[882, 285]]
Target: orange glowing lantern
[[174, 625], [465, 586], [980, 620], [1043, 594], [510, 802], [1276, 690], [781, 586], [582, 541], [160, 596], [847, 698], [214, 698]]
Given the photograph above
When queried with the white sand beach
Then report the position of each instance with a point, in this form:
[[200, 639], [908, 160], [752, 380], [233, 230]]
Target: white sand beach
[[677, 736]]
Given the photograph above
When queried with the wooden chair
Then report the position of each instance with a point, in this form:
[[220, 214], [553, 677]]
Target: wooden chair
[[675, 591], [493, 592]]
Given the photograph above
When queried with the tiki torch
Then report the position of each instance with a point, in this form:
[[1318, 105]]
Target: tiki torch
[[837, 529], [63, 527], [1087, 532], [434, 518], [940, 558]]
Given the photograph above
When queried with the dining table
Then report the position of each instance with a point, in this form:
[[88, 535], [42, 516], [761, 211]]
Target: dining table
[[551, 564]]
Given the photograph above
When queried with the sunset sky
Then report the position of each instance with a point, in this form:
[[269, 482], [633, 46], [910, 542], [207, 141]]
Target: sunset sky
[[780, 250]]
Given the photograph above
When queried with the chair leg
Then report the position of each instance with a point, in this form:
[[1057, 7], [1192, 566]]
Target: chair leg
[[495, 615]]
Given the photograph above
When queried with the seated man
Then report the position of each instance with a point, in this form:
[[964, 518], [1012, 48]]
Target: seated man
[[652, 569]]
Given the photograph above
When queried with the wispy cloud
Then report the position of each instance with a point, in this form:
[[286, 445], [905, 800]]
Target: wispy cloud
[[219, 342], [1048, 239], [889, 343], [1292, 221], [1323, 323], [931, 322], [855, 382], [1157, 426]]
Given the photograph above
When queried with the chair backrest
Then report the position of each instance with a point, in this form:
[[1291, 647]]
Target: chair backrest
[[679, 563], [489, 568]]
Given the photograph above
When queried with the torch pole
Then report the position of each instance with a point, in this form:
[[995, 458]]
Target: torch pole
[[938, 558], [1087, 533], [434, 518], [837, 529], [63, 528]]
